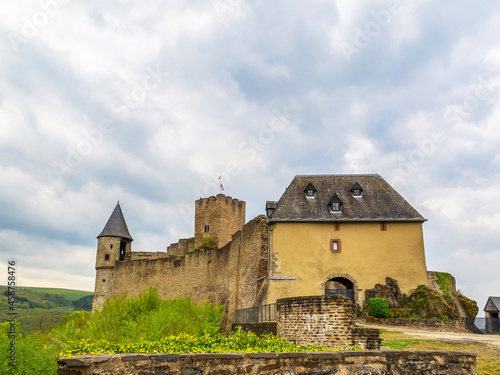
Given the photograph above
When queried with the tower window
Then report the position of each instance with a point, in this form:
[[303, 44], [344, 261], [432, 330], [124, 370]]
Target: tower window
[[207, 228], [123, 246], [335, 246], [106, 256], [111, 246]]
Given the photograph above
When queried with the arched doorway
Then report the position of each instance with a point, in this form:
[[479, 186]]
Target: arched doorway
[[340, 286]]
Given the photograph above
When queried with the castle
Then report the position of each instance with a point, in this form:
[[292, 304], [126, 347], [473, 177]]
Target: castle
[[327, 234]]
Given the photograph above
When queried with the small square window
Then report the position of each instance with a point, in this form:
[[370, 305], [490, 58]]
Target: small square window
[[335, 246], [310, 193], [106, 256]]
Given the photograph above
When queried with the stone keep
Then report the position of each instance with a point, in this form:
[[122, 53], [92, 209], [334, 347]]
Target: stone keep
[[218, 218]]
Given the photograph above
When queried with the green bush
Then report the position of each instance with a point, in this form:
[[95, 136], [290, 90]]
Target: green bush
[[147, 317], [443, 279], [378, 307], [34, 353], [208, 243]]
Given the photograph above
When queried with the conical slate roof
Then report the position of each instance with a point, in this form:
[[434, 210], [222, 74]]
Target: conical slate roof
[[116, 225]]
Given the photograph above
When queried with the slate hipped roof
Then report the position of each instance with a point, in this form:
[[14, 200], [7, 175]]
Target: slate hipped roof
[[116, 225], [379, 202], [493, 305]]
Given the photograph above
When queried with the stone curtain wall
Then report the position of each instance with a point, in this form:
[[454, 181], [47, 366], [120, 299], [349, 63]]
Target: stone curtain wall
[[316, 320], [227, 275], [303, 363]]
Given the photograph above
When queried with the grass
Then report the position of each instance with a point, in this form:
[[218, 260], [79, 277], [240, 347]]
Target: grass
[[487, 360]]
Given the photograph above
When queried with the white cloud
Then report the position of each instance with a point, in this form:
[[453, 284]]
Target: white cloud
[[226, 78]]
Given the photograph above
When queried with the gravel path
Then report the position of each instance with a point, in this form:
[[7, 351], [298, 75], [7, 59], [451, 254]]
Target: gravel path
[[491, 340]]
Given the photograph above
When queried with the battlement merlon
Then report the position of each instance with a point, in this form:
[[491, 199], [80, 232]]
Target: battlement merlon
[[220, 199]]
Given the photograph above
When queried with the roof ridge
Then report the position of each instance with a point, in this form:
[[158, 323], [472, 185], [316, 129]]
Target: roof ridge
[[339, 175]]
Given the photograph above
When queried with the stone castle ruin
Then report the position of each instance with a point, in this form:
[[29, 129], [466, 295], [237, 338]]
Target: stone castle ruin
[[326, 235]]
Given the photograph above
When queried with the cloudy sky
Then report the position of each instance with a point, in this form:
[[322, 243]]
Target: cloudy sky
[[147, 102]]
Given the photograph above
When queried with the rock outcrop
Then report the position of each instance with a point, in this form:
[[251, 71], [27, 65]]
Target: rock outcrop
[[438, 300]]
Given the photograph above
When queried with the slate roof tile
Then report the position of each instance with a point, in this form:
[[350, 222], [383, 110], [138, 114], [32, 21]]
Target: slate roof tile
[[116, 225], [379, 202]]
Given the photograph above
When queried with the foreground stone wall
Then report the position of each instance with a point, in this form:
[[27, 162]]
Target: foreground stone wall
[[303, 363], [316, 320]]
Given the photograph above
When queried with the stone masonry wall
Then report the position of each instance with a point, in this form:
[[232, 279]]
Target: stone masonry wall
[[224, 216], [181, 247], [316, 320], [227, 275], [303, 363], [147, 255]]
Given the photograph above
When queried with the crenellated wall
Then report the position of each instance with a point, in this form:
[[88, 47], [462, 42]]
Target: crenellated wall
[[181, 247]]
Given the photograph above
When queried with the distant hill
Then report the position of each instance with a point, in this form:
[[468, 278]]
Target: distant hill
[[69, 294], [42, 308]]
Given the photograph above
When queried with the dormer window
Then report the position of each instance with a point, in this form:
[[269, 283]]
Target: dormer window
[[356, 190], [310, 191], [335, 204], [270, 207]]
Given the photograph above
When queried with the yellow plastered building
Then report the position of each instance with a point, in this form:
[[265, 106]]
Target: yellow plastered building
[[341, 234]]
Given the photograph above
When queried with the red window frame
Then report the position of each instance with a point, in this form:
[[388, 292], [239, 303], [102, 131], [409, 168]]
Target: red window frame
[[339, 246]]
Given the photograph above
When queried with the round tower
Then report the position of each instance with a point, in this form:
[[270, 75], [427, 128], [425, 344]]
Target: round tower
[[114, 244]]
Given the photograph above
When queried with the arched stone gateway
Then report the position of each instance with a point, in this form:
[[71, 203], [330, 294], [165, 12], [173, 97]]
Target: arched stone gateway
[[340, 284]]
